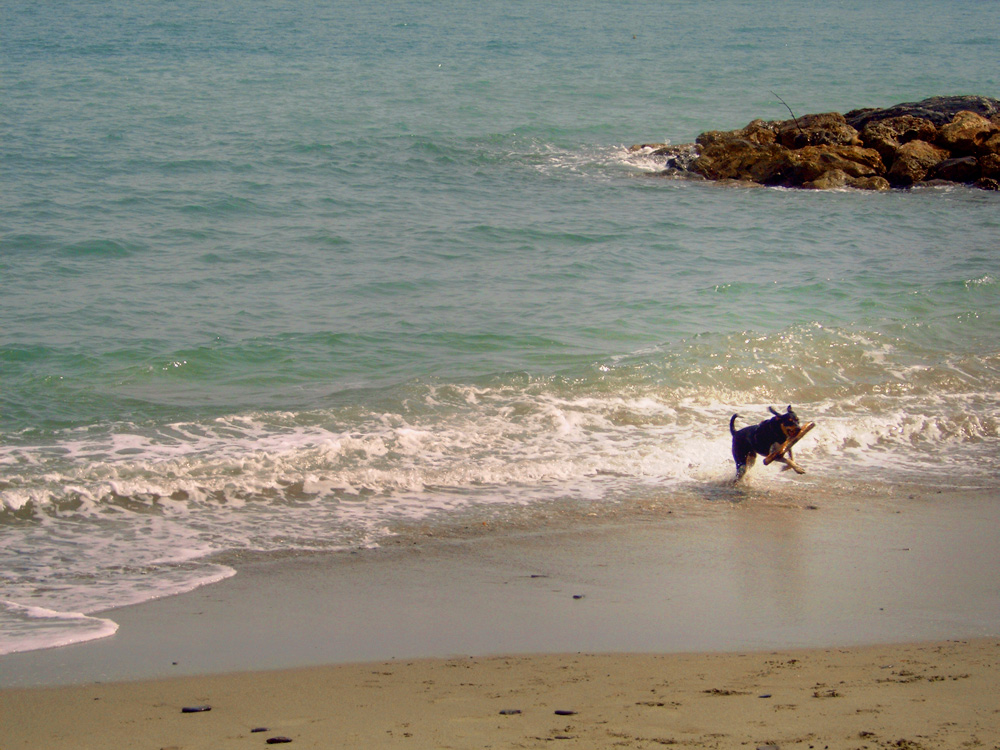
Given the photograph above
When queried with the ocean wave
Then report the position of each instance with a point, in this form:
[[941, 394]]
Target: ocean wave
[[634, 416], [102, 248], [985, 280], [28, 628]]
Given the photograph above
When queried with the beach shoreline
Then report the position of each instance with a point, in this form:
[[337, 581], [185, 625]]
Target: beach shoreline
[[778, 571], [856, 589]]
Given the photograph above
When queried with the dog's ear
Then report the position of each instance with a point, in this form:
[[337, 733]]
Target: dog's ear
[[771, 409], [789, 408]]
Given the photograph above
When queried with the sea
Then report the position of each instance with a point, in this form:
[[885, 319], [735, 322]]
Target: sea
[[300, 277]]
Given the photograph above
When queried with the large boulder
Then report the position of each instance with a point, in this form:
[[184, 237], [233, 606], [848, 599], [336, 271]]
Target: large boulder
[[989, 165], [966, 134], [759, 132], [913, 161], [736, 158], [992, 145], [886, 136], [838, 178], [827, 129], [810, 163], [874, 182], [959, 169], [940, 110]]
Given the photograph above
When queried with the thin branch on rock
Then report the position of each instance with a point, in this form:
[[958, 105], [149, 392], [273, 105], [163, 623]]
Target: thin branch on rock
[[790, 112]]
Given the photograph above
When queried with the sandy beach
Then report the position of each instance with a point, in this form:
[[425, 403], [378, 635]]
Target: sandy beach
[[927, 696], [771, 622]]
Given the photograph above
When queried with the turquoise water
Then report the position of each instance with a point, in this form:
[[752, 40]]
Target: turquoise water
[[278, 278]]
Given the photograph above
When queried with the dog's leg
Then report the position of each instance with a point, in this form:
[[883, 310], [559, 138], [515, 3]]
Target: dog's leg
[[743, 466], [786, 459], [789, 463], [793, 465]]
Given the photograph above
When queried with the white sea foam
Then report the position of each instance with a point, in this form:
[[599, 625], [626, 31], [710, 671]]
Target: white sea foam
[[986, 280], [501, 440], [27, 628], [134, 512]]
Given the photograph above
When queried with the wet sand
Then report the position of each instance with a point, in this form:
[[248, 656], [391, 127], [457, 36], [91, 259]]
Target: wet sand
[[635, 619]]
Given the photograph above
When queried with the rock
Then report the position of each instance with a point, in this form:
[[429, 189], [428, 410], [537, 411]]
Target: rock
[[988, 183], [195, 709], [831, 180], [825, 129], [757, 132], [679, 158], [960, 169], [838, 178], [966, 134], [912, 162], [736, 158], [278, 740], [676, 158], [948, 139], [761, 131], [989, 166], [855, 161], [940, 110], [874, 182], [652, 147], [992, 145], [886, 136]]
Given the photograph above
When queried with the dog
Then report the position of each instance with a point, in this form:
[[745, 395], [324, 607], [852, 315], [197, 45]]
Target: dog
[[764, 438]]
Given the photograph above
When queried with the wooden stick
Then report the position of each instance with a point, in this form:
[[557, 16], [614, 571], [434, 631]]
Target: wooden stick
[[782, 449]]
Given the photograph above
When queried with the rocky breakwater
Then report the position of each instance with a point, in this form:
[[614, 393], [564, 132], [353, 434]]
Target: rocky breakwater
[[952, 139]]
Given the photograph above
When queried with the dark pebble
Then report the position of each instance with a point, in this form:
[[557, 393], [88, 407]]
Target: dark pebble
[[562, 712], [258, 729], [510, 711], [765, 695], [195, 709], [278, 740], [578, 596]]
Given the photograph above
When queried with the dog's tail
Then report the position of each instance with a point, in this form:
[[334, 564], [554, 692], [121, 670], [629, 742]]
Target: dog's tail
[[732, 421]]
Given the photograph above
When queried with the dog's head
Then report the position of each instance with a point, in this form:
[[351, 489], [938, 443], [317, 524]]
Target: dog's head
[[788, 422]]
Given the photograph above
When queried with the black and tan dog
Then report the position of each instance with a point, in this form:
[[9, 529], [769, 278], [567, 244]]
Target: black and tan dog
[[763, 439]]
